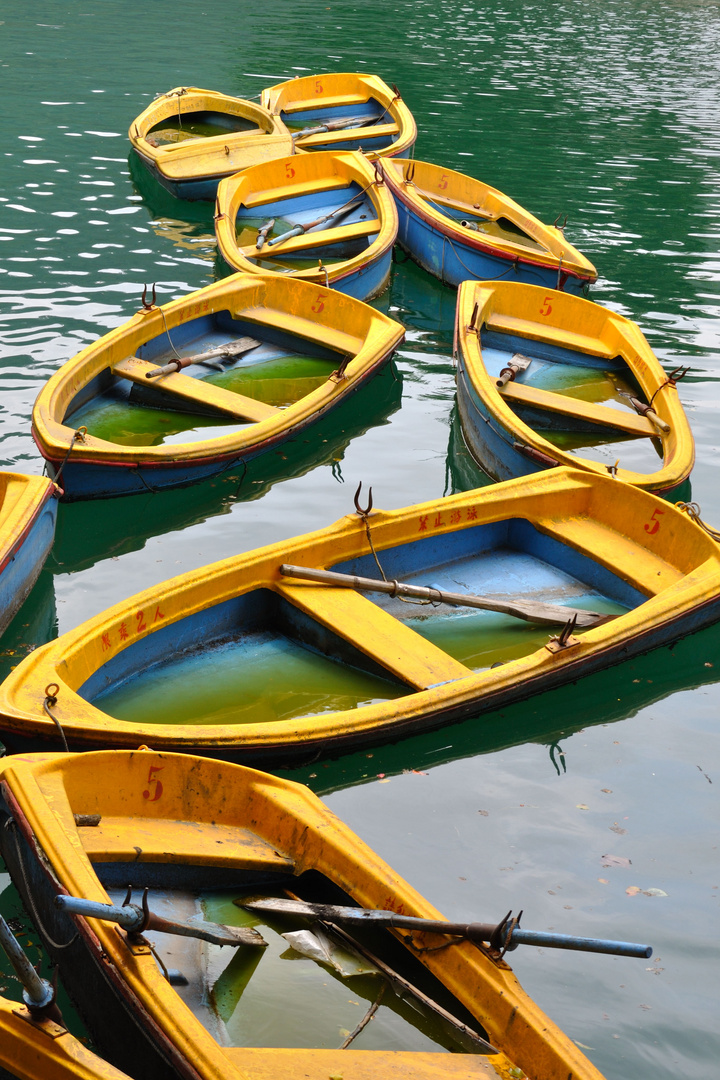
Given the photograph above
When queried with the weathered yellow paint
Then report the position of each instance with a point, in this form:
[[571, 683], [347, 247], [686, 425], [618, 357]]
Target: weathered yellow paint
[[572, 323], [303, 175], [628, 422], [267, 1064], [21, 497], [50, 788], [215, 155], [194, 393], [384, 639], [44, 1050], [647, 542], [321, 316], [453, 189], [336, 90]]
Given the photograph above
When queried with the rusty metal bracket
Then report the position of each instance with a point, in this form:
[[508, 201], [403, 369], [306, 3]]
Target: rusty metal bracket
[[363, 513], [565, 639], [144, 300]]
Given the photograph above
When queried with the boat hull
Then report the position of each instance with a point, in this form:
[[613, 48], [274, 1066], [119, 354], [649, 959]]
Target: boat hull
[[505, 433], [349, 218], [27, 527], [618, 546], [326, 344], [249, 830]]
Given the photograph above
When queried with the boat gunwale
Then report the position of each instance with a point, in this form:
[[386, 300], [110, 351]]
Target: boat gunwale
[[34, 495]]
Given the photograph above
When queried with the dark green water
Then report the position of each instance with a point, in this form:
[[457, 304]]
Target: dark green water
[[607, 113]]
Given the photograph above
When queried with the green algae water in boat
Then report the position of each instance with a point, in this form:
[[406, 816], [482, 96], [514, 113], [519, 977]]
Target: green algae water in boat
[[245, 659]]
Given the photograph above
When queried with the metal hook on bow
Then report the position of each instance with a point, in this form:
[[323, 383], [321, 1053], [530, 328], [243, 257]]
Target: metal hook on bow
[[143, 301], [363, 513]]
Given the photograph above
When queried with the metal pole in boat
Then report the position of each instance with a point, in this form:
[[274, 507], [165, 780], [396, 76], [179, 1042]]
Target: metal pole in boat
[[38, 994]]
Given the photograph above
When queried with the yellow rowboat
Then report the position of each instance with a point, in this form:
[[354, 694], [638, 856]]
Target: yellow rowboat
[[546, 379], [189, 139], [459, 228], [204, 837], [325, 217], [28, 511], [263, 357], [36, 1048], [347, 111], [244, 659]]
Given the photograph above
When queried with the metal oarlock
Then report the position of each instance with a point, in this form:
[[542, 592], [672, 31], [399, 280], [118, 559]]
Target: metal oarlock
[[363, 513], [144, 301]]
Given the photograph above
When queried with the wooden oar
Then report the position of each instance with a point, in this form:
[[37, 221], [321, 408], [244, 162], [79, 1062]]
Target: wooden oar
[[508, 931], [231, 350], [530, 610], [516, 364], [137, 920], [336, 125]]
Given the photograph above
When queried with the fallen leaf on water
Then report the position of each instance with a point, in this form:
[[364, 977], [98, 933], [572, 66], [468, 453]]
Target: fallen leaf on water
[[654, 892], [485, 813], [633, 890], [603, 881], [384, 780], [617, 829], [614, 860], [646, 1007], [419, 772], [582, 806], [583, 1046], [606, 790]]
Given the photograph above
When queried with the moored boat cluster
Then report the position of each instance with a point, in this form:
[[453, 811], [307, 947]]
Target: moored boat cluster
[[140, 866]]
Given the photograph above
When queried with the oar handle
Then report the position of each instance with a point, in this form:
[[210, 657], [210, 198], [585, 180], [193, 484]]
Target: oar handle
[[295, 231], [37, 993], [167, 369]]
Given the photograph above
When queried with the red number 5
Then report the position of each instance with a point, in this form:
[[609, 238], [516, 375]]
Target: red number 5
[[547, 306], [152, 779], [652, 526], [318, 306]]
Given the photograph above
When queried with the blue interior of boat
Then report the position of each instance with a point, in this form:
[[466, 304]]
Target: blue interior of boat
[[295, 120], [257, 658]]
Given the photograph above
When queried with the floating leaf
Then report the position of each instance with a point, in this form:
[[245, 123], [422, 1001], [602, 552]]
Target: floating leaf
[[614, 860], [583, 1046], [633, 890], [654, 892], [618, 829], [603, 881], [582, 806], [485, 813], [606, 791]]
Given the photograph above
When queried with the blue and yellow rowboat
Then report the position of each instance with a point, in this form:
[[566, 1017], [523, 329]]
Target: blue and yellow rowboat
[[458, 228], [547, 379], [203, 837], [247, 659], [28, 511], [343, 111], [265, 357], [327, 218], [189, 139]]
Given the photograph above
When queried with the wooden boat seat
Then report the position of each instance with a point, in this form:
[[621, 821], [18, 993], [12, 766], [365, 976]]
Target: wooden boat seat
[[628, 558], [386, 640], [195, 392], [268, 1063], [568, 339], [255, 199], [630, 423], [164, 840], [345, 344], [323, 102], [373, 131], [352, 231]]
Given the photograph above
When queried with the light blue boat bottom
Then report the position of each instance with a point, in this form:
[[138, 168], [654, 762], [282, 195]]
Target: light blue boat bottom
[[279, 672], [277, 997], [585, 379]]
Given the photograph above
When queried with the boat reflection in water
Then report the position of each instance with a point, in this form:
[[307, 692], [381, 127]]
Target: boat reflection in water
[[549, 719], [87, 534]]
